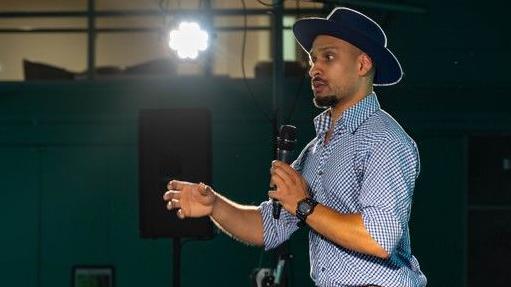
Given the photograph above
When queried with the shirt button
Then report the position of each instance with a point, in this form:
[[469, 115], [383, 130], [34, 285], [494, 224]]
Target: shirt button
[[323, 269], [320, 172]]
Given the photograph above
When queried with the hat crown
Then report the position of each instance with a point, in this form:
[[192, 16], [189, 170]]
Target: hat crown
[[359, 30], [355, 20]]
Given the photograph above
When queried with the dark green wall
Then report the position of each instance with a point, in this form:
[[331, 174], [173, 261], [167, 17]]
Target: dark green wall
[[69, 179], [69, 171]]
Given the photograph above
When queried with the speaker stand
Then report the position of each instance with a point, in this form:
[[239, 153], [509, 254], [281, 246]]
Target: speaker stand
[[176, 262]]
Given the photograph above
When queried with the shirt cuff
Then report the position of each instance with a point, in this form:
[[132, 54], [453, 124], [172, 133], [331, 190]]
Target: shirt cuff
[[276, 231]]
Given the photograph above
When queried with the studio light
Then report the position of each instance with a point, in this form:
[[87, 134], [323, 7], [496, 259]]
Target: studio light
[[188, 40]]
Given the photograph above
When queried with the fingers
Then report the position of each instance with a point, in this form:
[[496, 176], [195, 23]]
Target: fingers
[[280, 176], [176, 204], [282, 173], [280, 182], [273, 195], [173, 204], [276, 192], [289, 182], [173, 190], [172, 194], [187, 198], [175, 185], [283, 168]]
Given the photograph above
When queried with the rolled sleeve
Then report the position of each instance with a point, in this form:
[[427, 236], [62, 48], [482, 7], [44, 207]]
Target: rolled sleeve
[[387, 189], [383, 227], [276, 231]]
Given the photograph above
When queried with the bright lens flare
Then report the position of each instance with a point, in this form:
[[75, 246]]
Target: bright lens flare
[[188, 40]]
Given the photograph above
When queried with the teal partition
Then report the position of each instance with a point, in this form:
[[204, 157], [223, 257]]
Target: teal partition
[[69, 169]]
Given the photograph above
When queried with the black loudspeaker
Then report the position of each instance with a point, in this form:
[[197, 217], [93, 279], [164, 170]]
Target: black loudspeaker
[[173, 144], [489, 210], [489, 168], [489, 248]]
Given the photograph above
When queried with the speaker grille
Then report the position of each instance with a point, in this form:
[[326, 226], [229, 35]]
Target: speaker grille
[[173, 144]]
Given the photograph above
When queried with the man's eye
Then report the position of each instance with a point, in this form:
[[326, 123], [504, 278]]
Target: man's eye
[[329, 57]]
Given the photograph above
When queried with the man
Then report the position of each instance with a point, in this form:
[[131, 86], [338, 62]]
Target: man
[[353, 184]]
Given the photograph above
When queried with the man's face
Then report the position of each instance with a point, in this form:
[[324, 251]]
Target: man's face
[[333, 71]]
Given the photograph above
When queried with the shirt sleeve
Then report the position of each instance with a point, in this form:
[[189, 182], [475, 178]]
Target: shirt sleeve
[[387, 189], [276, 231]]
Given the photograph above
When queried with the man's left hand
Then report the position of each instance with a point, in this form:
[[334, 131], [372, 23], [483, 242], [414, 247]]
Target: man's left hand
[[291, 186]]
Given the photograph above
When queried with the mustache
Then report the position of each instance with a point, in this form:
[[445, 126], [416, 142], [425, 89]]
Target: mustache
[[319, 80]]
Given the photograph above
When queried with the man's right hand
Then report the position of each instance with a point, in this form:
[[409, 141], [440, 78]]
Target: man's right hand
[[190, 199]]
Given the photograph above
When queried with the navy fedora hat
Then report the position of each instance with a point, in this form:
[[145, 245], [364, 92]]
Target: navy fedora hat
[[358, 30]]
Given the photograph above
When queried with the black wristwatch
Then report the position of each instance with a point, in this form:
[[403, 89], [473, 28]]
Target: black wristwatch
[[305, 208]]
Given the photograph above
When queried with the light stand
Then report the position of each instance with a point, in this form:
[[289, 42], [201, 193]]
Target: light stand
[[176, 262]]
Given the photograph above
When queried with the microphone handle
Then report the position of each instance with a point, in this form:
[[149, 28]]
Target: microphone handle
[[277, 207], [284, 156]]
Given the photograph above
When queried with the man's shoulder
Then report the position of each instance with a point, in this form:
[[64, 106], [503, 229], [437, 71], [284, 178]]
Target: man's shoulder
[[385, 136], [381, 127]]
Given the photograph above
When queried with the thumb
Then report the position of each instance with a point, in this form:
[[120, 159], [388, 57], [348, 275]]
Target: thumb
[[204, 189]]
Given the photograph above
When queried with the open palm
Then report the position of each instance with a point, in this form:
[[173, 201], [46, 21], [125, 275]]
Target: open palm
[[191, 199]]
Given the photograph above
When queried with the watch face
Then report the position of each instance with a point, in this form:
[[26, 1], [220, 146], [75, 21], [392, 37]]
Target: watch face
[[304, 207]]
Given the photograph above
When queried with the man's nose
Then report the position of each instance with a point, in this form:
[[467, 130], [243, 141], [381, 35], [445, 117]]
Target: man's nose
[[314, 70]]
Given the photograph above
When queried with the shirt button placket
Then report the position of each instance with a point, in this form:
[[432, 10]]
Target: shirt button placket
[[324, 155]]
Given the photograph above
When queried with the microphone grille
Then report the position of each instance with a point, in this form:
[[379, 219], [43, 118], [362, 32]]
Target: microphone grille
[[287, 138], [287, 132]]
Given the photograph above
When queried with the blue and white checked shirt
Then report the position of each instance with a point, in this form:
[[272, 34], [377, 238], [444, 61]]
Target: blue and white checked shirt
[[368, 167]]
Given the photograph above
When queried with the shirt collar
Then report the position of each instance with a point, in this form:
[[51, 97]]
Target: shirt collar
[[351, 118]]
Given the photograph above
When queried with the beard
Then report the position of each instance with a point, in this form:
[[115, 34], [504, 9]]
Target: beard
[[325, 102]]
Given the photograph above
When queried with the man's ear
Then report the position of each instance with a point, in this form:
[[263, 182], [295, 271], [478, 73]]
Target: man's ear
[[365, 64]]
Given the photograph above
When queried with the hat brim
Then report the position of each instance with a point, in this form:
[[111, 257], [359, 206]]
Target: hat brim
[[388, 69]]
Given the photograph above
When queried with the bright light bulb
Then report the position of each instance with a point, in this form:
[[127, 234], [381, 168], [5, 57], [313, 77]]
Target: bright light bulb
[[188, 40]]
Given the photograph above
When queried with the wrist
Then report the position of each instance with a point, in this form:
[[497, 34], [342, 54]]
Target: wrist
[[305, 207], [214, 204]]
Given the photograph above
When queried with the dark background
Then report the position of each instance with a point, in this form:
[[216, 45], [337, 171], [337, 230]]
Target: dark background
[[69, 162]]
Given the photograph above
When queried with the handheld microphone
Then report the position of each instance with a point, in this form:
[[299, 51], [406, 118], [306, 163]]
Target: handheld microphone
[[286, 142]]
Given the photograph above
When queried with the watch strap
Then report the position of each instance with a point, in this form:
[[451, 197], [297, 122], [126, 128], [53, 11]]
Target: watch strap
[[303, 215]]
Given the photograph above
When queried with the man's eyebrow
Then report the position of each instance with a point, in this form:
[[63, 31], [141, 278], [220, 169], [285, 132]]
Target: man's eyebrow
[[321, 49]]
